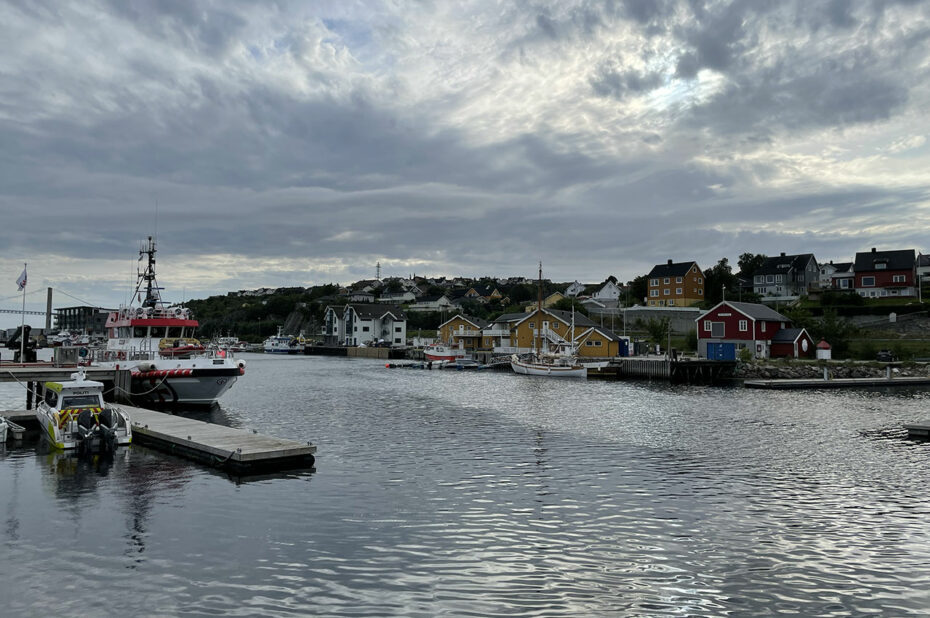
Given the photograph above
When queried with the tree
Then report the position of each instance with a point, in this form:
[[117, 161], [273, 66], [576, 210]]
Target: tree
[[718, 277], [658, 329], [639, 288], [749, 263]]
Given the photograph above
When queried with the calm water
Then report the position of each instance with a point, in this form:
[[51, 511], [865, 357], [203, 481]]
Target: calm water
[[479, 494]]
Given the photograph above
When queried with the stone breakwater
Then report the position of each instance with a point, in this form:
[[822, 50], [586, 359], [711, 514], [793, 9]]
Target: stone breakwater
[[798, 371]]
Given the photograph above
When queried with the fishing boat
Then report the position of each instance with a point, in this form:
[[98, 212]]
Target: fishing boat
[[559, 363], [73, 415], [443, 352], [157, 342]]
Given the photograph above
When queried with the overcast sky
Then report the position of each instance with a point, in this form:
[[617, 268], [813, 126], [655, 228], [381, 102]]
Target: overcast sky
[[273, 144]]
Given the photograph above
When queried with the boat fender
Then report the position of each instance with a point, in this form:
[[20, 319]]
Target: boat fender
[[144, 367], [241, 365]]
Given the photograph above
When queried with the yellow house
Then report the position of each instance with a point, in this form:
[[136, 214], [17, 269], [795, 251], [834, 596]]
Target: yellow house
[[675, 285], [554, 328], [461, 329], [547, 302]]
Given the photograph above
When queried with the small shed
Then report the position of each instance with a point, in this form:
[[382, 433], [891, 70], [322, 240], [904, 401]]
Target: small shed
[[823, 350], [792, 343]]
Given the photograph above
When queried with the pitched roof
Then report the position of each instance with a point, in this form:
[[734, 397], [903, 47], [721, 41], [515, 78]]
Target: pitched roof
[[477, 322], [782, 263], [903, 259], [671, 269], [373, 310], [606, 332], [787, 335], [756, 311]]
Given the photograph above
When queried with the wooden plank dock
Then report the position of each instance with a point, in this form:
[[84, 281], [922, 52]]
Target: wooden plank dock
[[788, 384], [219, 446], [690, 371]]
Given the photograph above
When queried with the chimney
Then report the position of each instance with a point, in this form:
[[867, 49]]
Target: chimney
[[873, 249], [669, 262], [783, 254]]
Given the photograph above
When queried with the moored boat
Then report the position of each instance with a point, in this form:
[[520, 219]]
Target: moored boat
[[283, 344], [443, 352], [73, 415], [156, 341]]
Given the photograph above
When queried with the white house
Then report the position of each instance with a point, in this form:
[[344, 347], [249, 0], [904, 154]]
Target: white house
[[574, 289], [432, 303], [609, 291], [363, 323]]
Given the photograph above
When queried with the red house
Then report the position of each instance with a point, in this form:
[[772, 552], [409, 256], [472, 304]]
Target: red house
[[730, 327], [886, 273]]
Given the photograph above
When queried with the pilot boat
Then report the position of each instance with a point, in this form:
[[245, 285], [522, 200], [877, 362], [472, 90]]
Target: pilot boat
[[157, 342], [73, 415]]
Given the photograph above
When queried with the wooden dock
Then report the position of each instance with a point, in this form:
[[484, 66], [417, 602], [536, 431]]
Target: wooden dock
[[788, 384], [237, 450], [674, 371], [31, 374]]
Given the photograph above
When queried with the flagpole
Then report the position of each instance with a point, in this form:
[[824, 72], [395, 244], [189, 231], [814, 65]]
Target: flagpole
[[22, 325]]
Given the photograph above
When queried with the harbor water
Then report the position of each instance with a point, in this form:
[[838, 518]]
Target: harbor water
[[468, 493]]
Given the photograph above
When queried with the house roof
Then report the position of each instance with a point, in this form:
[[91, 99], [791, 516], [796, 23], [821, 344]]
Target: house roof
[[510, 317], [787, 335], [752, 310], [841, 267], [923, 260], [476, 322], [782, 263], [903, 259], [671, 269], [607, 333], [370, 311]]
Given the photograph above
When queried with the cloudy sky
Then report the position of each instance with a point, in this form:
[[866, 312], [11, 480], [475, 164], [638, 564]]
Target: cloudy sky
[[280, 143]]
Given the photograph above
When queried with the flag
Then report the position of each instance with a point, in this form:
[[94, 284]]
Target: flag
[[21, 282]]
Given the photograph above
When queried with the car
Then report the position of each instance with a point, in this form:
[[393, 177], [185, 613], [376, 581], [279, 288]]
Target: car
[[886, 356]]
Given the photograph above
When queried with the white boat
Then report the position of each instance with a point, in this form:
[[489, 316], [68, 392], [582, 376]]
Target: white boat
[[4, 428], [443, 352], [10, 430], [557, 364], [157, 342], [73, 415], [284, 344]]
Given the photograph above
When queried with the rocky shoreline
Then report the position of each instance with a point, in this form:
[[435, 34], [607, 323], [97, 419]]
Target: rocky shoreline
[[794, 370]]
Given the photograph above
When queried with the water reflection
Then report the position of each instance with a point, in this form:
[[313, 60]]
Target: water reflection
[[482, 494]]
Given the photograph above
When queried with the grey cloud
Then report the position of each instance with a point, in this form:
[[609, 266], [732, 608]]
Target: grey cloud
[[610, 81]]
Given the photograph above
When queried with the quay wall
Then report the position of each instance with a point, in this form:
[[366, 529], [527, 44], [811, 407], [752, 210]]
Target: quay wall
[[794, 370]]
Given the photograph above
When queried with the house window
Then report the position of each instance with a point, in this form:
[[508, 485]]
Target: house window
[[700, 280], [667, 292], [778, 278], [653, 292], [717, 329], [707, 325], [678, 291], [653, 282], [555, 326], [677, 279], [700, 292], [397, 329], [880, 266], [770, 278], [365, 329], [868, 282], [397, 340], [532, 325], [743, 326], [671, 302], [763, 327], [666, 280], [898, 279]]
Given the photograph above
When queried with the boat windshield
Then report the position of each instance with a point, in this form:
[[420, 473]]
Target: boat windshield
[[79, 401]]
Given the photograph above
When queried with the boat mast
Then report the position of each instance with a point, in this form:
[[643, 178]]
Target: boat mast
[[152, 296], [539, 309]]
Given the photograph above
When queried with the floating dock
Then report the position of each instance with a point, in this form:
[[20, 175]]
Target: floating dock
[[674, 371], [920, 431], [237, 450]]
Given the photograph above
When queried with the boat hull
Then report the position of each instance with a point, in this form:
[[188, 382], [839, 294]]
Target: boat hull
[[553, 371], [199, 387]]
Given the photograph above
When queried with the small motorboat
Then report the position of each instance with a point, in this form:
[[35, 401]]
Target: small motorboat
[[73, 415], [10, 430]]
